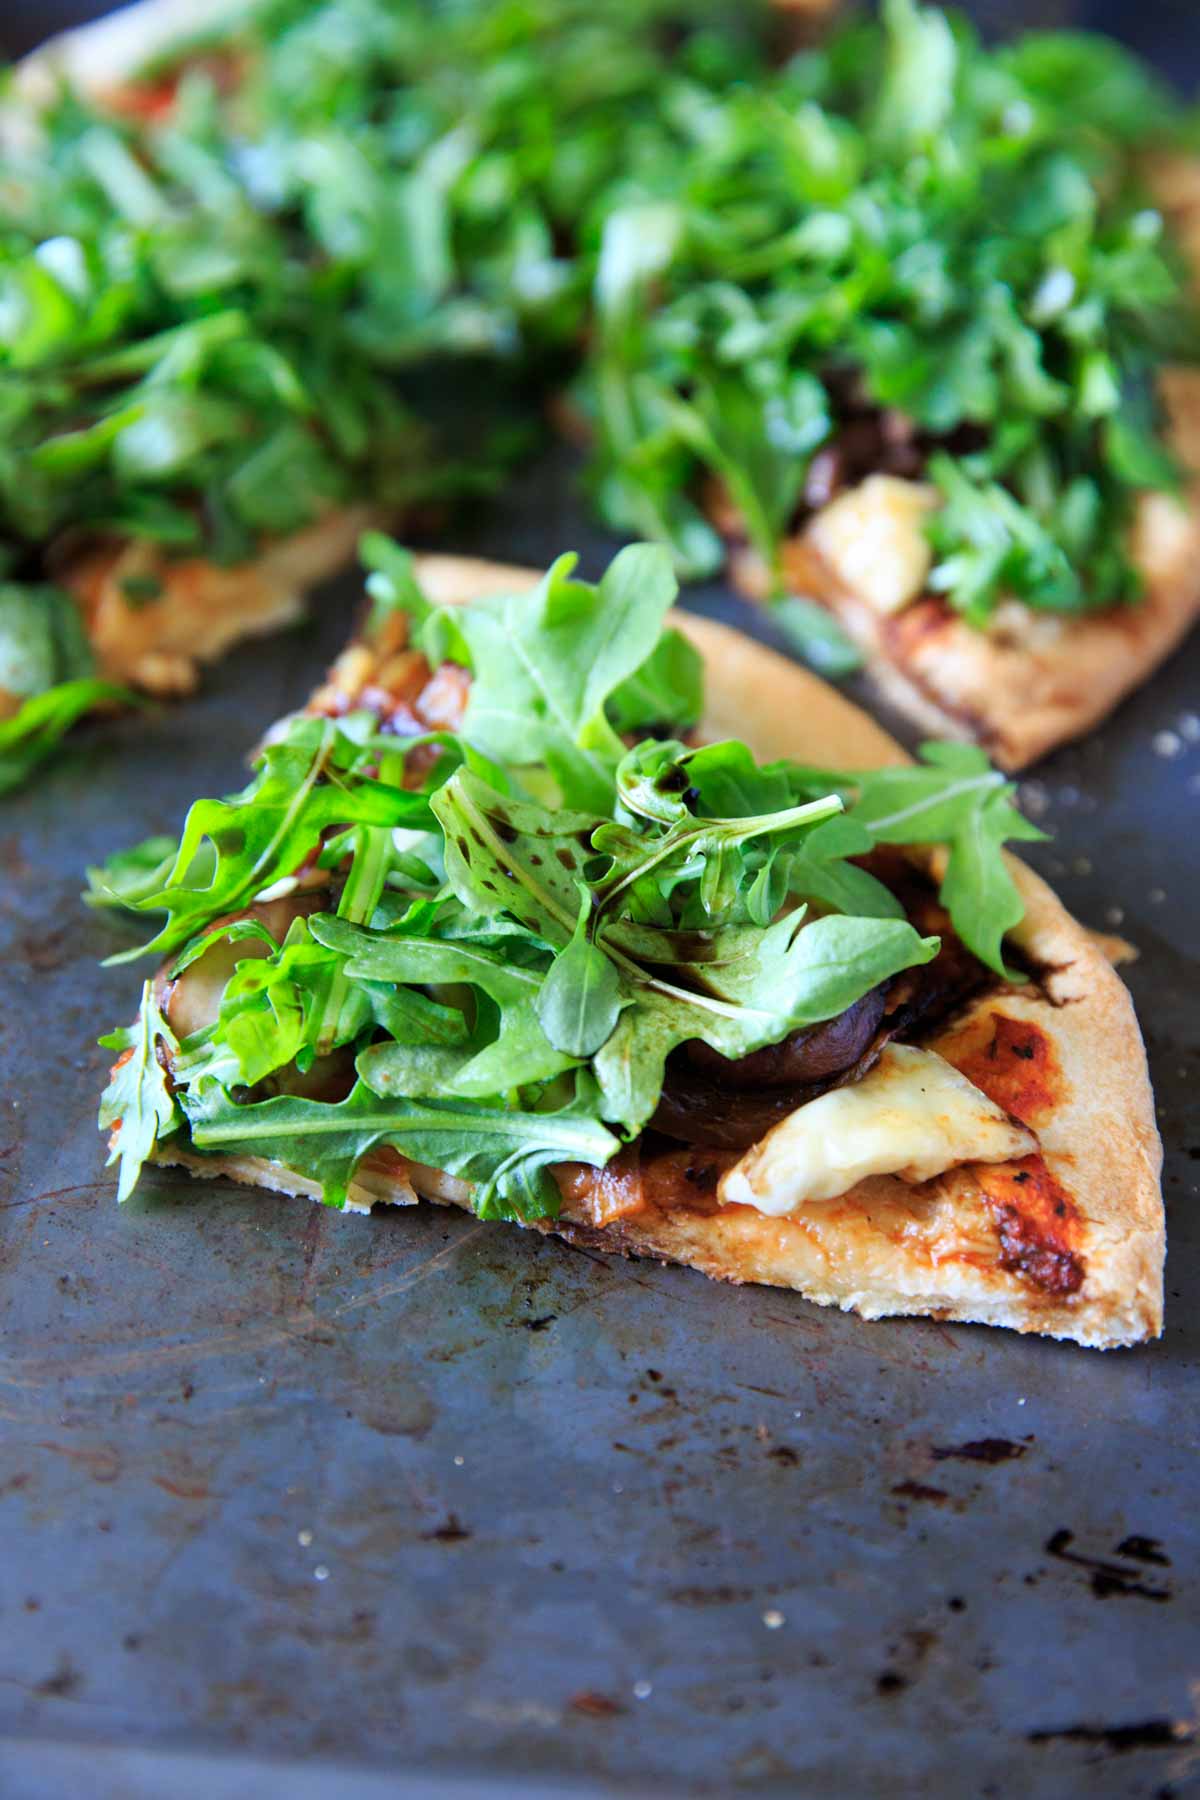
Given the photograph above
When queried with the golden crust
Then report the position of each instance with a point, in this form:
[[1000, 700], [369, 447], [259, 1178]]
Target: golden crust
[[886, 1247], [203, 609]]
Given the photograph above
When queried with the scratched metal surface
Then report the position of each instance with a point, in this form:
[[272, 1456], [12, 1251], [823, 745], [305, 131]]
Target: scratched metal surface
[[413, 1504]]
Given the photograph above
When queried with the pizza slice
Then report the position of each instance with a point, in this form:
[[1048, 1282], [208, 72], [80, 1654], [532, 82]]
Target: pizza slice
[[241, 318], [562, 908], [1025, 679], [910, 344]]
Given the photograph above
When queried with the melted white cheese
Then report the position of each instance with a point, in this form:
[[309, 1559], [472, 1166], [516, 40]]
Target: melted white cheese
[[913, 1116], [873, 539]]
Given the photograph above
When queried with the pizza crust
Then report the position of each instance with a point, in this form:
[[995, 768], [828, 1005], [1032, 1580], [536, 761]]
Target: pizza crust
[[96, 57], [886, 1247], [203, 609]]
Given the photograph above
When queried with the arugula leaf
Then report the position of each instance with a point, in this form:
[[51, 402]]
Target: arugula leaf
[[401, 957], [814, 634], [954, 798], [42, 639], [519, 1053], [125, 876], [268, 830], [580, 999], [506, 1153], [920, 67], [137, 1101], [666, 691], [545, 664], [818, 870], [36, 728], [977, 886], [511, 856], [391, 581], [751, 988]]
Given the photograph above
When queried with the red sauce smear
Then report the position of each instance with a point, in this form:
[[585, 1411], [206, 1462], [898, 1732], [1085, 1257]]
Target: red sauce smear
[[1037, 1222], [925, 618], [1018, 1068], [153, 98]]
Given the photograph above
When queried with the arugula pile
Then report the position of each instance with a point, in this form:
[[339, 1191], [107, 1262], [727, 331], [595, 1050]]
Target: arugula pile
[[226, 294], [903, 223], [508, 946]]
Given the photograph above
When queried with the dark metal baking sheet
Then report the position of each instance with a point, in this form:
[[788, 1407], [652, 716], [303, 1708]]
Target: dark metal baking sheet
[[294, 1503]]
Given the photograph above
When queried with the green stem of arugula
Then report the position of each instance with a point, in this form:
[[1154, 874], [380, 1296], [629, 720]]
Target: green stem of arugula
[[992, 778], [734, 831], [359, 898], [329, 1121], [254, 879]]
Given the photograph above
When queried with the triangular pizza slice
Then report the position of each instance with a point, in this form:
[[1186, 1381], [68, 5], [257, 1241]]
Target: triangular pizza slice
[[568, 910]]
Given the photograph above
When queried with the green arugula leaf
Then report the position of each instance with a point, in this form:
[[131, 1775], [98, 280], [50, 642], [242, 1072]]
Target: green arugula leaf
[[546, 662], [137, 1100], [400, 957], [580, 999], [264, 833], [511, 856], [814, 634], [42, 640], [752, 988], [818, 870], [125, 877], [977, 886], [666, 691], [920, 67], [505, 1153], [37, 727], [518, 1054], [391, 581], [955, 797]]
